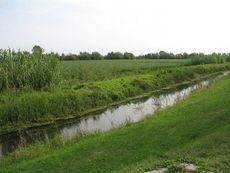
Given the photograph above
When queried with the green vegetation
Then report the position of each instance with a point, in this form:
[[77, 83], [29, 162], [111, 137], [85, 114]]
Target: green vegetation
[[228, 59], [37, 50], [33, 92], [20, 69], [214, 59], [196, 130], [82, 71], [37, 88], [130, 56], [29, 106]]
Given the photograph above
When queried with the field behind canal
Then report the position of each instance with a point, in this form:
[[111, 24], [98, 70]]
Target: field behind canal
[[196, 130], [90, 70]]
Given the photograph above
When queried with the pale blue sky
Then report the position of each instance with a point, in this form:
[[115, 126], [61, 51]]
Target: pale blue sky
[[138, 26]]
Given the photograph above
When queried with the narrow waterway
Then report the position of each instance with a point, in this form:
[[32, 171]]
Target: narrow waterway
[[113, 117]]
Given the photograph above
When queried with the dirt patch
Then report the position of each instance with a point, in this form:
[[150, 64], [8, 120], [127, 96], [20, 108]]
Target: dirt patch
[[189, 167], [162, 170]]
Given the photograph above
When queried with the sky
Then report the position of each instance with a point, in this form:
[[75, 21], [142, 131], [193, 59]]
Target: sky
[[137, 26]]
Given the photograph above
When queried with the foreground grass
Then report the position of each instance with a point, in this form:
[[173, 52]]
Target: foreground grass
[[196, 130]]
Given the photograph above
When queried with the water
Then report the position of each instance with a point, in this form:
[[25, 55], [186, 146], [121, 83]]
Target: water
[[111, 118], [131, 112]]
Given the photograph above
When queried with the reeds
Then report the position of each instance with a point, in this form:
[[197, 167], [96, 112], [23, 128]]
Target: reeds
[[22, 69]]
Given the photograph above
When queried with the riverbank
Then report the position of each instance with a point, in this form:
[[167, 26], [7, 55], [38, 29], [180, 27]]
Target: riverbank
[[88, 113], [106, 119], [21, 109], [195, 130]]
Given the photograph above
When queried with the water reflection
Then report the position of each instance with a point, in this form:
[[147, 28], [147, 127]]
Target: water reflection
[[111, 118], [123, 114]]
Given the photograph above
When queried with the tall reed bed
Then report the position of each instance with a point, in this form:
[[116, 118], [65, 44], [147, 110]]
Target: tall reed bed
[[22, 69]]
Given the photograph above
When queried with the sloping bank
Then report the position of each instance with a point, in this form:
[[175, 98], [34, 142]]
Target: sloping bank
[[197, 130], [18, 109]]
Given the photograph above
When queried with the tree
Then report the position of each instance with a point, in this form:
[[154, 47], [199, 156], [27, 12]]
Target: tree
[[37, 50], [84, 56], [96, 56], [114, 55], [128, 55]]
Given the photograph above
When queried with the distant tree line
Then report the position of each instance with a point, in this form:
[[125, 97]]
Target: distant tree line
[[97, 56], [197, 58]]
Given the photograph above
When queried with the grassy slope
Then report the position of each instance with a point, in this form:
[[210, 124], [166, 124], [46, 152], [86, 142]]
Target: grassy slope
[[195, 130]]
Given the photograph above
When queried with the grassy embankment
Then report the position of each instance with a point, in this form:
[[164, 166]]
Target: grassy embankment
[[196, 130], [26, 107]]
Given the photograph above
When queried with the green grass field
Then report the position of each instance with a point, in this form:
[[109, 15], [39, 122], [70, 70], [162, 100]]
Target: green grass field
[[81, 71], [196, 130]]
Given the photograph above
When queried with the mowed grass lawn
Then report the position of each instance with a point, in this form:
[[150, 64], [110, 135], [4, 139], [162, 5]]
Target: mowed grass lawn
[[196, 130]]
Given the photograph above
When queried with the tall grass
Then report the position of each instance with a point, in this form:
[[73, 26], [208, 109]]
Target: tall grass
[[22, 69], [207, 59]]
